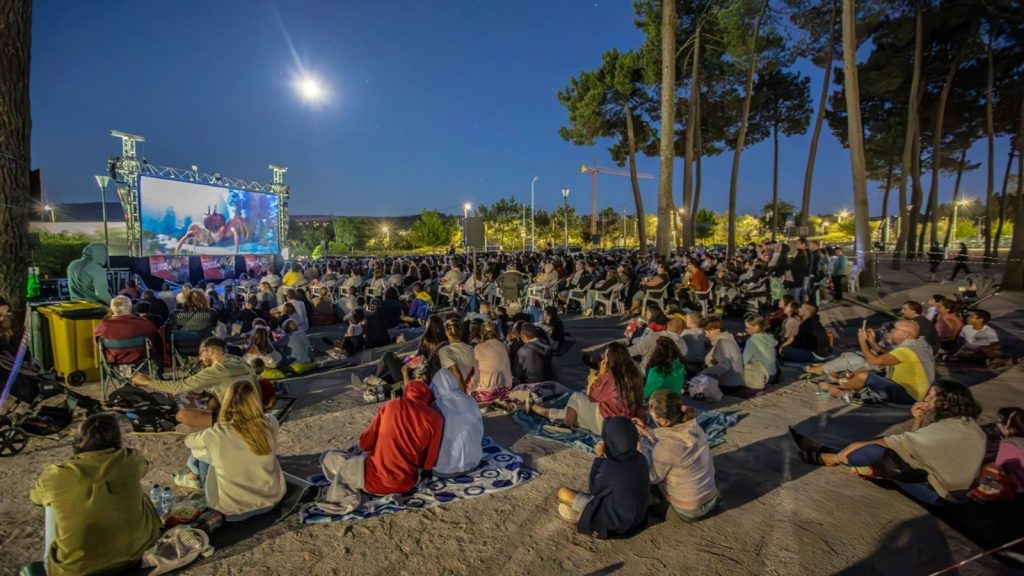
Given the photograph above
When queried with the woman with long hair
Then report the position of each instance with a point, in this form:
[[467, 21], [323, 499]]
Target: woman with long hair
[[98, 520], [260, 347], [195, 315], [235, 461], [492, 368], [944, 447], [665, 368], [617, 391]]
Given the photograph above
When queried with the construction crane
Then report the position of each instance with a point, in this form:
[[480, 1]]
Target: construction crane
[[594, 171]]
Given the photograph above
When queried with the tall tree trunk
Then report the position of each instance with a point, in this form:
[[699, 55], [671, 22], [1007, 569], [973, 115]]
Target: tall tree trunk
[[885, 196], [775, 179], [991, 164], [692, 128], [858, 164], [1002, 201], [1013, 274], [956, 192], [698, 172], [826, 83], [916, 197], [741, 137], [940, 119], [908, 221], [666, 209], [641, 227], [15, 162]]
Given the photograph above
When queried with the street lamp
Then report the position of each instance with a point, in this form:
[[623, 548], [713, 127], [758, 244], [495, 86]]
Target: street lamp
[[956, 207], [565, 204], [50, 212], [102, 182], [533, 238], [465, 223], [842, 215], [387, 235]]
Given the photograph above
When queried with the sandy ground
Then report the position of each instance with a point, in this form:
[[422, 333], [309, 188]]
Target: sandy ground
[[779, 515]]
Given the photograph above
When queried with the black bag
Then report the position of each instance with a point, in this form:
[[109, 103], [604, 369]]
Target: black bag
[[47, 420], [136, 399]]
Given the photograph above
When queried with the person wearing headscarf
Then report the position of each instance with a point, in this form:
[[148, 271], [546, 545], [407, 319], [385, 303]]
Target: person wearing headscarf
[[461, 440], [619, 488]]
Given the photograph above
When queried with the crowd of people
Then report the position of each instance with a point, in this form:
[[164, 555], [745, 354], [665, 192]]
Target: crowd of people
[[491, 326]]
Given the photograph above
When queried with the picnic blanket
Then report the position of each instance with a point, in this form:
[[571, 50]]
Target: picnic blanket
[[713, 422], [499, 470]]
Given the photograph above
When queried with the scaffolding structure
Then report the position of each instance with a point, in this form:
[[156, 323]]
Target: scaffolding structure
[[126, 169]]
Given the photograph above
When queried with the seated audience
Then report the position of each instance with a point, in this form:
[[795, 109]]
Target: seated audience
[[681, 464], [664, 368], [297, 346], [760, 365], [978, 342], [811, 341], [98, 520], [554, 327], [419, 308], [696, 343], [194, 316], [619, 490], [235, 460], [725, 360], [948, 324], [616, 391], [532, 360], [457, 357], [492, 371], [645, 345], [124, 325], [912, 310], [461, 442], [1010, 454]]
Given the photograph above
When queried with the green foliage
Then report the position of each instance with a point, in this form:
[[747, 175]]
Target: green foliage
[[56, 251], [786, 210], [432, 230], [503, 223], [349, 234], [706, 222]]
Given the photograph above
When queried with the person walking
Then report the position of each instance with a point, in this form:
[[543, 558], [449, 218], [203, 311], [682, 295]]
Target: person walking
[[934, 260], [960, 262]]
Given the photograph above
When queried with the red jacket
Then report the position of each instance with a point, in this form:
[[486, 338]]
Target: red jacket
[[610, 404], [127, 327], [404, 438]]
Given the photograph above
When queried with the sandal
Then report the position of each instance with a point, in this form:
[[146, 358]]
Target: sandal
[[184, 481]]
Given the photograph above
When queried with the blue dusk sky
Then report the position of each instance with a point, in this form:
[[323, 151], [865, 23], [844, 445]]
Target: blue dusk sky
[[430, 105]]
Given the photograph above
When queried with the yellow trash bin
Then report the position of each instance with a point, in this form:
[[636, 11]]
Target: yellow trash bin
[[74, 352]]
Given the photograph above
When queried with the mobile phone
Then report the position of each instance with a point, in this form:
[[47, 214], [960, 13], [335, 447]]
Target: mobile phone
[[864, 324]]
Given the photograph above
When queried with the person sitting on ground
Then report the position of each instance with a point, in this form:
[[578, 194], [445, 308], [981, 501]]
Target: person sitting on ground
[[977, 342], [619, 489], [461, 442], [616, 391], [760, 364], [419, 308], [946, 452], [375, 326], [262, 348], [790, 325], [532, 361], [664, 368], [776, 319], [98, 520], [267, 297], [457, 356], [654, 318], [234, 461], [554, 327], [696, 343], [948, 324], [912, 366], [912, 310], [323, 305], [932, 310], [1010, 454], [297, 346], [681, 463], [245, 317], [220, 369], [645, 345], [403, 440], [725, 360], [124, 325], [811, 341], [492, 371]]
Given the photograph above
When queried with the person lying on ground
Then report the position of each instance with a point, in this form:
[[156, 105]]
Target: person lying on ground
[[645, 345], [616, 391], [619, 489], [98, 520], [664, 369], [944, 447], [461, 442], [725, 360], [219, 370], [978, 341], [811, 341], [910, 366], [532, 361], [234, 461], [681, 464]]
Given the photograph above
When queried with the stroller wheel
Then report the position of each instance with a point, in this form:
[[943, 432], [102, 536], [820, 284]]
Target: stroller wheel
[[76, 378], [12, 441]]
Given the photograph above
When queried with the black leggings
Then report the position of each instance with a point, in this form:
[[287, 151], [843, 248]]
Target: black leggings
[[389, 368], [957, 268]]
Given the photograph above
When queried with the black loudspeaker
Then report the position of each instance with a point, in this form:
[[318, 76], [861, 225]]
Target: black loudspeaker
[[475, 232]]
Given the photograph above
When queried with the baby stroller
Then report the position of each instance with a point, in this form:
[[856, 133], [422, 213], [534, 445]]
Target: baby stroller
[[26, 415], [748, 298]]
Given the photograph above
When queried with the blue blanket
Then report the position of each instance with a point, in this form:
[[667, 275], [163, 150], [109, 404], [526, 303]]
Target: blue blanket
[[499, 470], [713, 422]]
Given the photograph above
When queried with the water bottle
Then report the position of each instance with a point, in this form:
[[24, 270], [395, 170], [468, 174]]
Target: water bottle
[[154, 497], [167, 501]]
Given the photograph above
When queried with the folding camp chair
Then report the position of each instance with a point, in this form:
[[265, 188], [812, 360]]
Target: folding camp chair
[[117, 374], [185, 350]]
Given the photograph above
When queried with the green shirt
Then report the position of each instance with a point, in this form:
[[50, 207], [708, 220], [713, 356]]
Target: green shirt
[[103, 519], [674, 380]]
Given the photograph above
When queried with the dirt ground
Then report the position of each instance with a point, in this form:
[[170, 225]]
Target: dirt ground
[[779, 515]]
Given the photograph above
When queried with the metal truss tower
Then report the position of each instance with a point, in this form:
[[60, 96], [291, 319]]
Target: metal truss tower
[[278, 187], [125, 173]]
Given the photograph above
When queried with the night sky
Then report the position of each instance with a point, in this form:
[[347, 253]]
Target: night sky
[[431, 104]]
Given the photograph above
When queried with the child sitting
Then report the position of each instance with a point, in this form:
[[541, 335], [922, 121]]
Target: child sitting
[[665, 369], [977, 342], [619, 490], [298, 349]]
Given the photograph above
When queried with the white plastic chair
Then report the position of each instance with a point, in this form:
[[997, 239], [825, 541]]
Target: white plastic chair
[[611, 299]]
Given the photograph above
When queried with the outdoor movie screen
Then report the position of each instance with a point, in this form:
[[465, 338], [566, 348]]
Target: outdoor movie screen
[[188, 218]]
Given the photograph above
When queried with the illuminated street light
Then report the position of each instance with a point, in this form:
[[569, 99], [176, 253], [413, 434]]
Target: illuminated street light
[[387, 235], [842, 215], [956, 207]]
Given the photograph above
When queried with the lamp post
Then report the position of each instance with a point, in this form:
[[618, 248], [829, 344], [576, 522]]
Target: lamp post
[[565, 206], [956, 206], [387, 235], [533, 237], [49, 211], [465, 223], [102, 182]]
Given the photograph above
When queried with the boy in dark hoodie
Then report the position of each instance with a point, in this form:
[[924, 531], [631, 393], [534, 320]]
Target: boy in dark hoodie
[[620, 488], [532, 360]]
